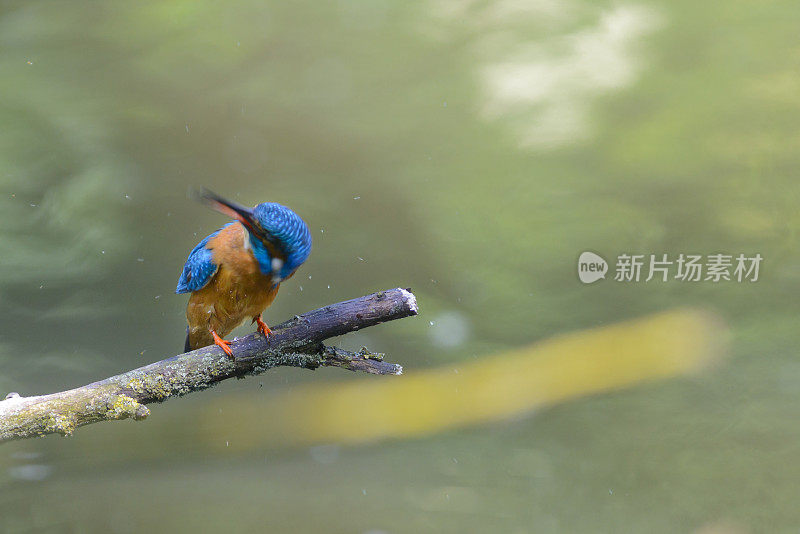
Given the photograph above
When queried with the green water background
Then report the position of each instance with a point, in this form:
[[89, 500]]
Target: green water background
[[469, 150]]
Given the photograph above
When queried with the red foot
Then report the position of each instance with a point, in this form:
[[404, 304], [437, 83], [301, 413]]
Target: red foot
[[222, 343], [262, 326]]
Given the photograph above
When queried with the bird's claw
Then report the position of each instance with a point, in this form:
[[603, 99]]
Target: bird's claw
[[262, 326], [224, 344]]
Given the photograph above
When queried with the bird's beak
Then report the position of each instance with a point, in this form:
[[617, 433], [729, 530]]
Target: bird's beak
[[233, 210], [245, 216]]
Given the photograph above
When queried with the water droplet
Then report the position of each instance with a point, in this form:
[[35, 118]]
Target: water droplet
[[452, 328]]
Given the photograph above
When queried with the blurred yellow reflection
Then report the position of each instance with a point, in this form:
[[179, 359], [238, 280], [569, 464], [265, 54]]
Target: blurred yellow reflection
[[464, 393]]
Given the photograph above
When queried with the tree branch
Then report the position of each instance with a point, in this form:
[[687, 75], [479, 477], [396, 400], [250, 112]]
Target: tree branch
[[295, 343]]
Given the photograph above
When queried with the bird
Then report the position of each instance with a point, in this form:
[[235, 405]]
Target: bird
[[234, 273]]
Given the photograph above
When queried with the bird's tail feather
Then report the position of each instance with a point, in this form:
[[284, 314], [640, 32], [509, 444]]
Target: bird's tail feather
[[186, 346]]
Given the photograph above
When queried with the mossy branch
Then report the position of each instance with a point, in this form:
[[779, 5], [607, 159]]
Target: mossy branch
[[296, 343]]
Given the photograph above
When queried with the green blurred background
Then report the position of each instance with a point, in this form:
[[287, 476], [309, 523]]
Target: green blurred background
[[470, 150]]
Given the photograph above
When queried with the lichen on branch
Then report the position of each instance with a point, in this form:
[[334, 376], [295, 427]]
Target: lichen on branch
[[295, 343]]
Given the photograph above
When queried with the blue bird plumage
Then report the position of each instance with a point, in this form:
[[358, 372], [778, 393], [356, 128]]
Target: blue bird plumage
[[235, 272], [199, 267], [292, 238]]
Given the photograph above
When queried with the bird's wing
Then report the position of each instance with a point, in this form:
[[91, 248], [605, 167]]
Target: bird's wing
[[199, 267]]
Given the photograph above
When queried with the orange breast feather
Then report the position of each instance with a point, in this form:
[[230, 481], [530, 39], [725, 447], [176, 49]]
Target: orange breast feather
[[237, 291]]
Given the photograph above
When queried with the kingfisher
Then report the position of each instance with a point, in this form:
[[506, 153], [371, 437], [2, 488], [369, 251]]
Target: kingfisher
[[234, 273]]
